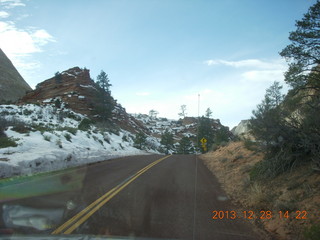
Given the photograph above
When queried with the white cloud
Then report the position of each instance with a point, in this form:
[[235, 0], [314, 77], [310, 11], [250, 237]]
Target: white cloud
[[4, 14], [264, 75], [42, 37], [12, 3], [20, 43], [255, 69], [247, 63]]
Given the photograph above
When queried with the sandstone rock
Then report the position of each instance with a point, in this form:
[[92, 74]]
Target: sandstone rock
[[12, 85], [73, 86], [78, 91], [242, 130]]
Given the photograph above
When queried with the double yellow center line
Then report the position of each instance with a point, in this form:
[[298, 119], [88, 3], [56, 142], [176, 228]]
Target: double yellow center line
[[69, 226]]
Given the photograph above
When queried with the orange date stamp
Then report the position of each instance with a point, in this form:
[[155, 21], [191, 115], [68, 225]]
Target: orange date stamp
[[301, 215]]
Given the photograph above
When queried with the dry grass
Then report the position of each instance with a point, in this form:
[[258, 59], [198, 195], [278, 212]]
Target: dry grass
[[297, 190]]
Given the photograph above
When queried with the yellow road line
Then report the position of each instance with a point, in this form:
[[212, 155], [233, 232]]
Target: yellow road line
[[82, 216]]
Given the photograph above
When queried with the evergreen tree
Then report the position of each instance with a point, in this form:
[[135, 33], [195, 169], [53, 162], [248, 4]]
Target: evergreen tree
[[303, 54], [208, 113], [104, 103], [167, 141], [205, 130], [185, 146], [140, 140], [266, 120], [58, 77], [104, 82], [221, 135], [153, 114]]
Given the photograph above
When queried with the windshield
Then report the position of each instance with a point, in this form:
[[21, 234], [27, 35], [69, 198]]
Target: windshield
[[159, 119]]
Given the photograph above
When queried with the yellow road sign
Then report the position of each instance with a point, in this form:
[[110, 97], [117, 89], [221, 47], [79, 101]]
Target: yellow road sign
[[203, 140]]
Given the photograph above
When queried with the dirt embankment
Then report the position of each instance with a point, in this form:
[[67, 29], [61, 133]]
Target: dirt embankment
[[293, 198]]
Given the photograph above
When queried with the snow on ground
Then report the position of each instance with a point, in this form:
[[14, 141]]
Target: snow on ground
[[58, 144]]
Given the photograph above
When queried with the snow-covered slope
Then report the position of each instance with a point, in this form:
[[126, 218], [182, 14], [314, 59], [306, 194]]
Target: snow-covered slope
[[158, 126], [48, 138]]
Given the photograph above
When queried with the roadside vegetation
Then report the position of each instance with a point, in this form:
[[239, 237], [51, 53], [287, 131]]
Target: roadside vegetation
[[278, 169]]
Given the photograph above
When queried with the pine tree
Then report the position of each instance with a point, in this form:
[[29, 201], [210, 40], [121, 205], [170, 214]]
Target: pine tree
[[208, 113], [153, 114], [104, 82], [167, 141], [104, 103], [140, 140], [185, 146], [303, 54], [205, 130]]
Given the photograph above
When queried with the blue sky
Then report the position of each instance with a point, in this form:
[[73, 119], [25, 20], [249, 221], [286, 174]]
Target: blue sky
[[159, 54]]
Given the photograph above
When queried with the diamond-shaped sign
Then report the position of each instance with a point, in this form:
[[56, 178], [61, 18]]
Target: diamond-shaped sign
[[203, 140]]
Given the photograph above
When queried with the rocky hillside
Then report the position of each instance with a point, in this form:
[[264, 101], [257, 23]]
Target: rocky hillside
[[12, 85], [186, 127], [75, 88]]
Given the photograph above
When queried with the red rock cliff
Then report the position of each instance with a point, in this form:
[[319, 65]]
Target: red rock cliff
[[73, 86]]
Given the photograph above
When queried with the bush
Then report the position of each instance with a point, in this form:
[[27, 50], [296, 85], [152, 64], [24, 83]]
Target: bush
[[85, 124], [73, 116], [140, 140], [7, 142], [71, 130], [125, 138], [59, 143], [250, 145], [3, 126], [42, 128], [57, 103], [47, 138], [27, 112], [68, 137], [21, 128]]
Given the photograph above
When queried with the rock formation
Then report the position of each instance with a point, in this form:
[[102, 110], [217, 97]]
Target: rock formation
[[242, 130], [73, 87], [12, 85], [78, 91]]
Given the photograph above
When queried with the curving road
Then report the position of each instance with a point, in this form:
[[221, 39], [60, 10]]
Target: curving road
[[148, 196]]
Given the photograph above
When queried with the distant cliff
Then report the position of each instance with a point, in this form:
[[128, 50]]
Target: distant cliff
[[12, 85]]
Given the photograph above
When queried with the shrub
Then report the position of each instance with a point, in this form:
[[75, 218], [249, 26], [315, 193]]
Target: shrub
[[140, 140], [42, 128], [73, 116], [68, 137], [57, 103], [27, 112], [59, 143], [71, 130], [250, 145], [21, 128], [85, 124], [3, 126], [47, 138], [7, 142], [125, 138]]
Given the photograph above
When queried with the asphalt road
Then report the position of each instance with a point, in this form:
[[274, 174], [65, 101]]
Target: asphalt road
[[140, 196]]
